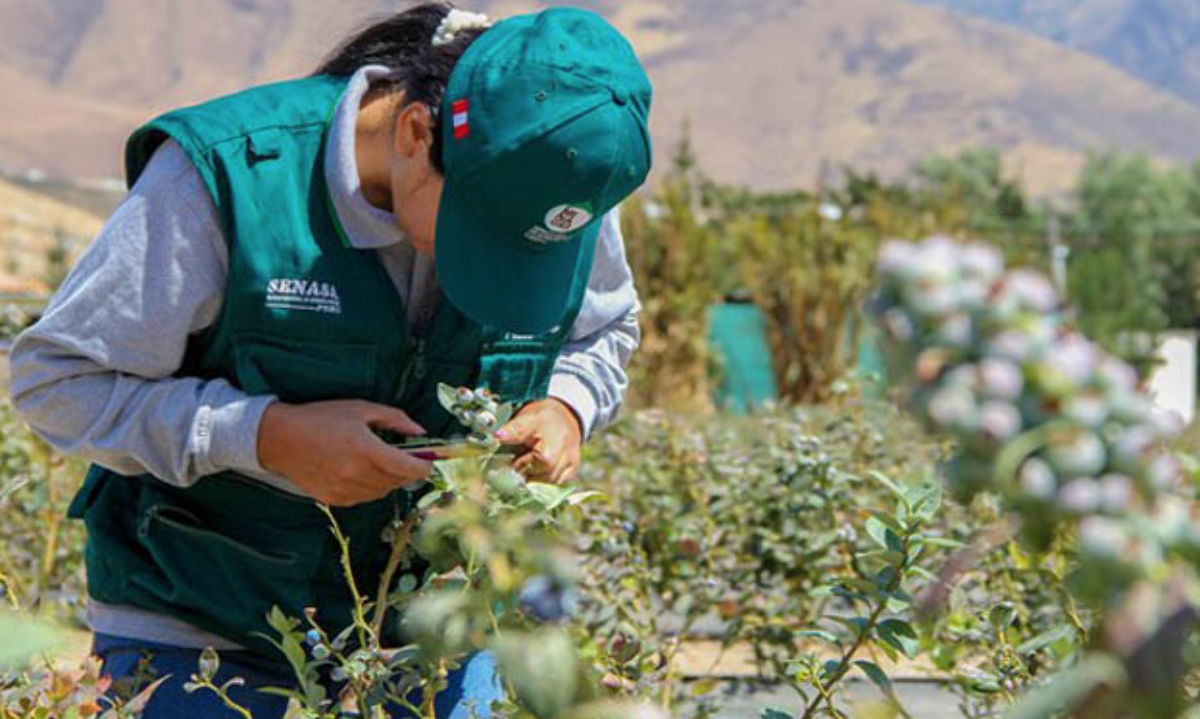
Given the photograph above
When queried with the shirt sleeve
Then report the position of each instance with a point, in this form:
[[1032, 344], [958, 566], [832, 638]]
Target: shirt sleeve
[[590, 374], [95, 377]]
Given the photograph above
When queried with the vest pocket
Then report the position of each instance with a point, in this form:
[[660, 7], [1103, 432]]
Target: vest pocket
[[305, 370], [213, 580]]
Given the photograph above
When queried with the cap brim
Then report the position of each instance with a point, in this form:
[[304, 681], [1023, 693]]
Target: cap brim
[[504, 282]]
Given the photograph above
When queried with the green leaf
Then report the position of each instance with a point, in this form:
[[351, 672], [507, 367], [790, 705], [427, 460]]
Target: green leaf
[[547, 495], [583, 497], [875, 674], [24, 638], [281, 692], [878, 531], [888, 520], [542, 668], [446, 396], [899, 634], [1002, 615], [890, 485], [1069, 688], [1045, 639], [854, 624], [922, 572], [430, 499], [924, 500], [771, 713], [944, 542], [504, 413], [280, 622], [820, 634]]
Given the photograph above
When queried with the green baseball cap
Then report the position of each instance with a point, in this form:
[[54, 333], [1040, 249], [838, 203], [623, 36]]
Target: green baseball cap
[[545, 132]]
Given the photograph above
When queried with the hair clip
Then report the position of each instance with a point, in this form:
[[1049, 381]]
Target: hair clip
[[457, 21]]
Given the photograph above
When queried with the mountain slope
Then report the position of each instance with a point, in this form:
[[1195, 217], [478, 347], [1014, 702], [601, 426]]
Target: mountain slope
[[1157, 40], [773, 89]]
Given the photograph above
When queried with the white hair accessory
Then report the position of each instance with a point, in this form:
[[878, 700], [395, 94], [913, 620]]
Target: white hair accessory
[[457, 21]]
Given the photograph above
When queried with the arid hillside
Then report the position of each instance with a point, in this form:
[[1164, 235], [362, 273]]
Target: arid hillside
[[773, 90]]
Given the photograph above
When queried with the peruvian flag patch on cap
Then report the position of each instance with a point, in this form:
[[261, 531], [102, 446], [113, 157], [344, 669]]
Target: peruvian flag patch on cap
[[461, 127]]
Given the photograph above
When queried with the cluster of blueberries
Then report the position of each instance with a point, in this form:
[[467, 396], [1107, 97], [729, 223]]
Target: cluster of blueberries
[[1041, 414]]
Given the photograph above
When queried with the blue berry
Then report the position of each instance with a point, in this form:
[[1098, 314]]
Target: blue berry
[[313, 638]]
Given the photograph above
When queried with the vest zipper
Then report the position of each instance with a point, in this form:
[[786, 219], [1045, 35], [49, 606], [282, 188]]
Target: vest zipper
[[415, 369]]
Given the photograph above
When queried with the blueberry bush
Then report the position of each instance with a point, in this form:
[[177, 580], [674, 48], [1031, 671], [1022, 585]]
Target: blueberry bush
[[817, 538], [1057, 429]]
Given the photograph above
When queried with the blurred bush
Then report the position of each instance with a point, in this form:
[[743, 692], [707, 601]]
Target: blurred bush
[[808, 274], [675, 261]]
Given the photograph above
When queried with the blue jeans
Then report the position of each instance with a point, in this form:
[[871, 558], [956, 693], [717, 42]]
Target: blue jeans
[[472, 687]]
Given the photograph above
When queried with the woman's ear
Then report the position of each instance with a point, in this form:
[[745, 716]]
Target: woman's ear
[[414, 130]]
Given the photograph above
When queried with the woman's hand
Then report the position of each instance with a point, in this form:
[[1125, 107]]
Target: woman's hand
[[328, 450], [554, 438]]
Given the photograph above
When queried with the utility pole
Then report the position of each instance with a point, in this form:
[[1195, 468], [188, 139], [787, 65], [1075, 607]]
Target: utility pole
[[1059, 253]]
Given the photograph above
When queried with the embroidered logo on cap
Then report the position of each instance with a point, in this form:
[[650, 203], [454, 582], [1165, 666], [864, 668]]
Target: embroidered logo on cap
[[461, 127], [567, 218], [542, 236]]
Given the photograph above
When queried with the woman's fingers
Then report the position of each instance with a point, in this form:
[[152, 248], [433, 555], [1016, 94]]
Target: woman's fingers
[[383, 417]]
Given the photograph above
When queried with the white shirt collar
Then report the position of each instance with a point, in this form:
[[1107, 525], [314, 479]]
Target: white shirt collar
[[366, 226]]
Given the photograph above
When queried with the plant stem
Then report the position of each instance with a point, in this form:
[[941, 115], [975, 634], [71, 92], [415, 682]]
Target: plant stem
[[431, 691], [399, 547], [360, 619], [224, 697], [844, 664]]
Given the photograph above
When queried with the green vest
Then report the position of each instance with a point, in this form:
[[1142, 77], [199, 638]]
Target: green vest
[[306, 317]]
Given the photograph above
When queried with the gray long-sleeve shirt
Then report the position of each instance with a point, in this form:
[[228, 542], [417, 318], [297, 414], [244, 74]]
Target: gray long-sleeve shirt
[[95, 376]]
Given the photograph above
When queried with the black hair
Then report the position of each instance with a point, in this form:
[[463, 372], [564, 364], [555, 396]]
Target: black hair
[[404, 44]]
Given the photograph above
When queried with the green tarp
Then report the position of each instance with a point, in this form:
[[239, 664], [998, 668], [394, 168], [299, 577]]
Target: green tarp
[[738, 338]]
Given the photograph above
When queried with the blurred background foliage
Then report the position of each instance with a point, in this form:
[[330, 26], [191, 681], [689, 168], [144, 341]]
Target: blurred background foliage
[[1125, 239]]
